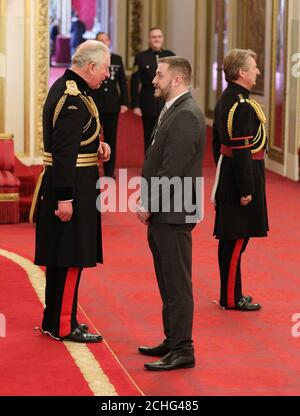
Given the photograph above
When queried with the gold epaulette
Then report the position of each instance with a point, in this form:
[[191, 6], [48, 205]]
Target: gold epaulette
[[259, 140], [89, 103], [72, 88]]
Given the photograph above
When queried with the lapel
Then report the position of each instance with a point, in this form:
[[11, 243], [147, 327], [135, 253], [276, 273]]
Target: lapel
[[169, 112]]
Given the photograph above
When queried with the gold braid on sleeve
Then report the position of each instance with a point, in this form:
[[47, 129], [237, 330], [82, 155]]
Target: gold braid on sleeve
[[58, 108], [261, 136], [91, 106]]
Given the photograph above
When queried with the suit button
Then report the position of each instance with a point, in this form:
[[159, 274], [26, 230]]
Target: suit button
[[105, 82], [105, 89]]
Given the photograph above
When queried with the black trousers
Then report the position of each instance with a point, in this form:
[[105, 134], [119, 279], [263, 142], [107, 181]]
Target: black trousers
[[109, 122], [148, 124], [229, 255], [61, 298], [171, 247]]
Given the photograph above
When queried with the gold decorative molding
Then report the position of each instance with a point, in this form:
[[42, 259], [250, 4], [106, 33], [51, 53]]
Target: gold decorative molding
[[197, 46], [276, 153], [9, 197], [158, 14], [2, 56], [251, 33], [41, 68], [134, 29], [6, 136]]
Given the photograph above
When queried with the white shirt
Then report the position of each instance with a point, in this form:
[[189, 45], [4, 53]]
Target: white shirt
[[172, 101]]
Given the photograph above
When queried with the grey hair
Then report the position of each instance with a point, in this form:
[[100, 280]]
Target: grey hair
[[89, 51], [235, 60]]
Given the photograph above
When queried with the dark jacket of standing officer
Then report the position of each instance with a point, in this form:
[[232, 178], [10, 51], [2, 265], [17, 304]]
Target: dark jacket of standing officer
[[113, 92], [241, 174], [111, 99], [142, 89], [73, 130]]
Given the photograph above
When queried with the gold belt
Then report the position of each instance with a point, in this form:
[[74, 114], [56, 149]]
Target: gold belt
[[83, 159]]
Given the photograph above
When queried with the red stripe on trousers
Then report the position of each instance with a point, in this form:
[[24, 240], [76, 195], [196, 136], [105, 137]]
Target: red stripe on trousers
[[232, 273], [67, 302]]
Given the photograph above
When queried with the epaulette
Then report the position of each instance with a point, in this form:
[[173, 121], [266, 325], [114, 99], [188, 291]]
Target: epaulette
[[72, 88]]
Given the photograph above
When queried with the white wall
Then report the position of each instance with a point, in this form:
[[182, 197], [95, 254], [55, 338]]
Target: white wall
[[14, 102]]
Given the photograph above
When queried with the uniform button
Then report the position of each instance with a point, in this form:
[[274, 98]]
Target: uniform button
[[105, 89], [105, 82]]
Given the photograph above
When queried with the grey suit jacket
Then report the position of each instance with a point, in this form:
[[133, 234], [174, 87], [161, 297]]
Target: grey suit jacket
[[170, 188]]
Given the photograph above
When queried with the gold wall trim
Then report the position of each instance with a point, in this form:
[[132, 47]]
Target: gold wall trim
[[158, 15], [134, 30], [275, 153], [41, 68], [3, 52], [6, 136], [251, 21], [9, 197], [197, 46]]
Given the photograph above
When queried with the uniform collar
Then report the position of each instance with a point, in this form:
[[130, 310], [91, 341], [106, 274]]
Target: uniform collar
[[239, 89], [156, 51], [81, 84]]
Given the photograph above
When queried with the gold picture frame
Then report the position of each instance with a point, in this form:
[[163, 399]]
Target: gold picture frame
[[133, 30]]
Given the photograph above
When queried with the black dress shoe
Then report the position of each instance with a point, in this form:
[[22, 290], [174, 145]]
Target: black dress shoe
[[79, 335], [243, 305], [158, 351], [172, 361]]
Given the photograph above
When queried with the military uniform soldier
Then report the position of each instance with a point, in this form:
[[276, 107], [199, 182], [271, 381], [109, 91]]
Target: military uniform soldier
[[111, 99], [239, 143], [142, 90], [68, 233]]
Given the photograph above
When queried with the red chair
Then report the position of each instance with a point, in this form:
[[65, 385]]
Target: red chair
[[9, 183]]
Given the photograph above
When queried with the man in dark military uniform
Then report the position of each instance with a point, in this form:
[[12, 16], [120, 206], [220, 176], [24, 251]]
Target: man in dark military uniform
[[239, 143], [68, 228], [142, 99], [111, 99]]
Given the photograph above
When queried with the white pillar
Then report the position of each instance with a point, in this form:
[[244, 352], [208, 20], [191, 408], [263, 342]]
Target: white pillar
[[14, 102]]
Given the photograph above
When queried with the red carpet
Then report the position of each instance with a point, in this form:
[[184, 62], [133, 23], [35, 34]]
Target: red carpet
[[30, 364], [237, 353]]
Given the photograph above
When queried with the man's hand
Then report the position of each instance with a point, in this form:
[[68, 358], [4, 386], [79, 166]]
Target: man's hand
[[245, 200], [123, 109], [64, 211], [137, 111], [143, 215], [104, 152]]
